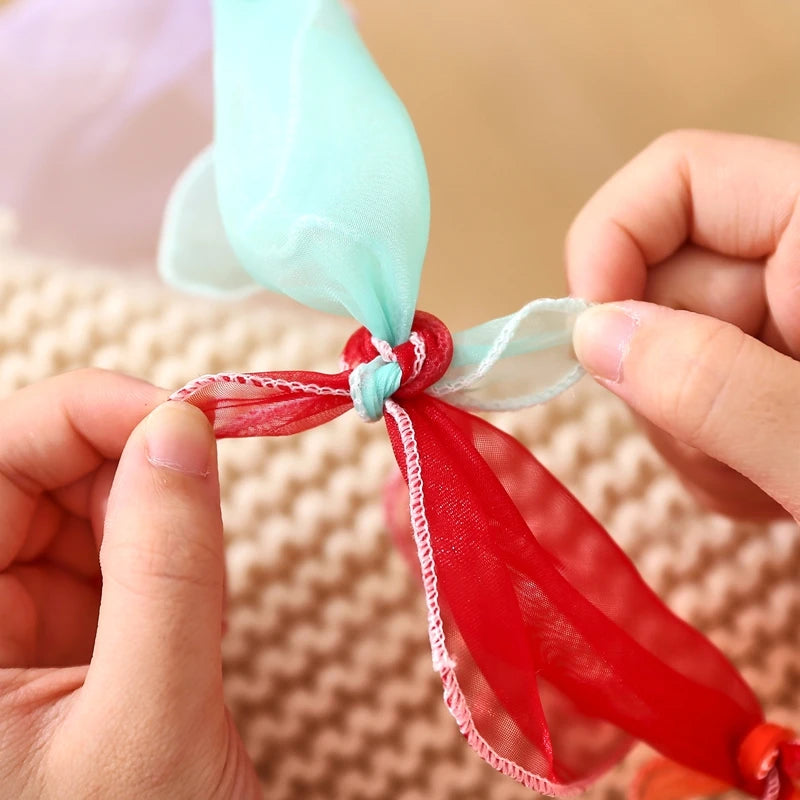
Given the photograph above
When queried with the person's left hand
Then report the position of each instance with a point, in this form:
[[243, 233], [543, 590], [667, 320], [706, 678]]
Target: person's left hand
[[111, 597]]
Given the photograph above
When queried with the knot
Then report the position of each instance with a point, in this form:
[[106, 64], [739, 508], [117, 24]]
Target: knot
[[762, 748], [371, 385], [380, 371]]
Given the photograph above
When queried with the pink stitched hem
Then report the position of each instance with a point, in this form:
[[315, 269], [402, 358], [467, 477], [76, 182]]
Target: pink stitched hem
[[259, 381], [443, 663]]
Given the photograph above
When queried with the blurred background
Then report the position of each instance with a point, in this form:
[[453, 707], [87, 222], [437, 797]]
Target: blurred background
[[523, 108]]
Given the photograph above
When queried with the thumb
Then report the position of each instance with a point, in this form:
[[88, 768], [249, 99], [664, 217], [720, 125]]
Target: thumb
[[162, 561], [704, 382]]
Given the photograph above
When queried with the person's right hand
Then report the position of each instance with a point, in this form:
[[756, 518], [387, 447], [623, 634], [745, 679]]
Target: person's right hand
[[708, 224]]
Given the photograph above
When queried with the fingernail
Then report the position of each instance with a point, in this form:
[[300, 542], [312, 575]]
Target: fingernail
[[178, 438], [602, 339]]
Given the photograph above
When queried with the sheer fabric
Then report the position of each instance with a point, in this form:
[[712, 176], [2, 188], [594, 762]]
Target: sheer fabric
[[554, 655], [515, 361], [341, 228]]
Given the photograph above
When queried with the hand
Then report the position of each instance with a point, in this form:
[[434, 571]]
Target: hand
[[708, 223], [110, 668]]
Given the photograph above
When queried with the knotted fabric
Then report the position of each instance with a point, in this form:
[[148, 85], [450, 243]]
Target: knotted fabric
[[554, 655]]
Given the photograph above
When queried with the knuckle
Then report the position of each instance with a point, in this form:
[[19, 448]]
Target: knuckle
[[695, 398], [675, 139], [152, 566], [680, 141]]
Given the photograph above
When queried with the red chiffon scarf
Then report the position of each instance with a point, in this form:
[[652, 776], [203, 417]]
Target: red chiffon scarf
[[553, 653]]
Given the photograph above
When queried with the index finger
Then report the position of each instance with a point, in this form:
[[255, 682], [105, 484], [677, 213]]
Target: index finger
[[732, 194], [54, 432]]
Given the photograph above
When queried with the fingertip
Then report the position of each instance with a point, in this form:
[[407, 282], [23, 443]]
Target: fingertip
[[705, 383], [178, 437], [602, 338]]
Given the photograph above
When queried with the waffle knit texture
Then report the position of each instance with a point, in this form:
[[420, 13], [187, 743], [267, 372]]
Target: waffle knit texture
[[327, 665]]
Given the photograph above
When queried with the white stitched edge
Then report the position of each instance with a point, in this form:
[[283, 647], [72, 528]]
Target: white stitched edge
[[356, 395], [772, 787], [501, 342], [259, 381], [463, 400], [442, 661], [420, 353], [384, 349]]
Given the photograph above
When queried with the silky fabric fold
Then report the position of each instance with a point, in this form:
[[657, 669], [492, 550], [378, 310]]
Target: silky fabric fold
[[554, 655]]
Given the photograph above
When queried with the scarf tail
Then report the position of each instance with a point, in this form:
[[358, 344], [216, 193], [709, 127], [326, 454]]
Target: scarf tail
[[554, 654]]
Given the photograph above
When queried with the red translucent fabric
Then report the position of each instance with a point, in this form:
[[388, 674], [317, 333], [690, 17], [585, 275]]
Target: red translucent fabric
[[558, 643], [268, 403], [554, 654]]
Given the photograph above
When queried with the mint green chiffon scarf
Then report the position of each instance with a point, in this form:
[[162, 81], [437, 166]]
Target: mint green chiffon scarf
[[316, 187]]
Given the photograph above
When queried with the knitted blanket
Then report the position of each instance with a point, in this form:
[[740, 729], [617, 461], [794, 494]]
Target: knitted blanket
[[327, 666]]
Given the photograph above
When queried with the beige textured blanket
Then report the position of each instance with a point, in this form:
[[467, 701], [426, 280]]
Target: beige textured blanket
[[327, 665]]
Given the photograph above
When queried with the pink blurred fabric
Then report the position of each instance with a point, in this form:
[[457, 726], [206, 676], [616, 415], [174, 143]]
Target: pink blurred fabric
[[102, 105]]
